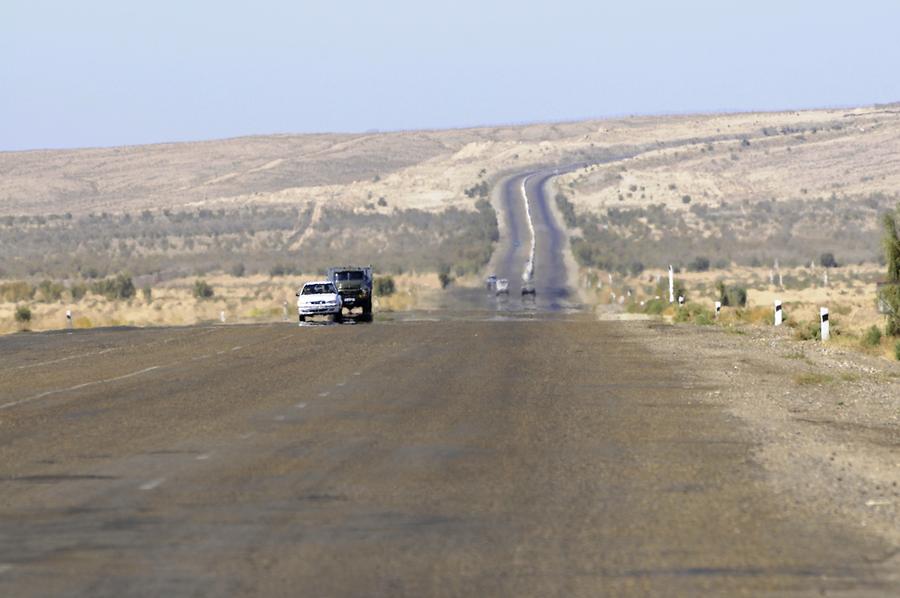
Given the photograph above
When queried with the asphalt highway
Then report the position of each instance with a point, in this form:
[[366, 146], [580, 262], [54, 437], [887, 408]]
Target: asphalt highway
[[550, 275], [546, 456], [499, 449]]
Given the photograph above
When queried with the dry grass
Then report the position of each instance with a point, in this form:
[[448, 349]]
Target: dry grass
[[245, 299]]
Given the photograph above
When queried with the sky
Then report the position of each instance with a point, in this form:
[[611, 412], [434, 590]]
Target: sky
[[118, 72]]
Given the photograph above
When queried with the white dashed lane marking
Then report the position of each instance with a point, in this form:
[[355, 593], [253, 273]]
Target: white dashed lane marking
[[203, 457], [341, 383], [152, 484], [324, 394], [279, 418], [4, 568], [300, 405], [77, 387]]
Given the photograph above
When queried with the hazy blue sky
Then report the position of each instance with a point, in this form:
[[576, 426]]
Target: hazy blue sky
[[110, 72]]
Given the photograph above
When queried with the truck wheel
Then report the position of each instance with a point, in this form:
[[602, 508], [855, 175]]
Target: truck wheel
[[337, 318], [302, 319]]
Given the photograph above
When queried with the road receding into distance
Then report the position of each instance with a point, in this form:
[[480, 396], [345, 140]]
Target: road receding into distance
[[547, 455]]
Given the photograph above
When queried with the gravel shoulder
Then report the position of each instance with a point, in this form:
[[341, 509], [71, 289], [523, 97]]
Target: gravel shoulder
[[826, 419]]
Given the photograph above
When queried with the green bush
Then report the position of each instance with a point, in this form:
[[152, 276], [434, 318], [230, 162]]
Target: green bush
[[120, 287], [50, 291], [700, 264], [897, 350], [732, 296], [567, 209], [694, 313], [78, 290], [827, 260], [148, 293], [655, 307], [384, 286], [872, 337], [23, 314], [202, 290]]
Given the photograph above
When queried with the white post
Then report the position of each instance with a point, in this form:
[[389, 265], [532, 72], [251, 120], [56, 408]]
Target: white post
[[284, 317], [69, 319], [780, 281], [671, 285], [823, 318], [680, 301], [222, 316], [779, 315], [718, 308], [771, 276], [825, 277]]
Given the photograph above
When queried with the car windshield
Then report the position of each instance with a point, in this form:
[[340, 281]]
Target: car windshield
[[318, 289], [351, 275]]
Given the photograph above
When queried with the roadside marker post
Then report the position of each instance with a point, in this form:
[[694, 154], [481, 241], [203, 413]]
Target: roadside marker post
[[671, 285], [69, 319], [779, 314], [826, 328], [222, 316], [718, 308], [680, 301]]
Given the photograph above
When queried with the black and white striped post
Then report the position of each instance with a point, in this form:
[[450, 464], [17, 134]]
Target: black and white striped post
[[718, 308], [671, 284], [69, 319], [779, 314], [680, 301], [823, 319]]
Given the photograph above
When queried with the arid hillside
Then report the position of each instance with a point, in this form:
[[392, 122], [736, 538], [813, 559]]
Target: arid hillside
[[739, 188]]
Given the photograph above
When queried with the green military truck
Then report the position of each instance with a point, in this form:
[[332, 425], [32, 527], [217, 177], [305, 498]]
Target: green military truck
[[354, 285]]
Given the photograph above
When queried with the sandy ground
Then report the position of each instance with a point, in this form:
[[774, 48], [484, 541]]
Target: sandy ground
[[826, 419]]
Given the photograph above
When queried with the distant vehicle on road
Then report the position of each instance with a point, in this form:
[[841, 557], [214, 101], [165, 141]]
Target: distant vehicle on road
[[528, 289], [491, 282], [502, 287], [354, 284], [319, 298]]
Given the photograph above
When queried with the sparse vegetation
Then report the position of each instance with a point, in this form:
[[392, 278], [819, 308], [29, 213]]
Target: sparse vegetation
[[890, 292], [567, 209], [444, 276], [700, 264], [827, 260], [813, 378], [118, 287], [872, 337], [732, 295], [384, 286], [23, 314], [202, 289]]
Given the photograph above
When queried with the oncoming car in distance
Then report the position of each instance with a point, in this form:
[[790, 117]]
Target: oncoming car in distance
[[319, 298]]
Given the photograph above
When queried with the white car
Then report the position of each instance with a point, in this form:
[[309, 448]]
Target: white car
[[502, 287], [319, 298]]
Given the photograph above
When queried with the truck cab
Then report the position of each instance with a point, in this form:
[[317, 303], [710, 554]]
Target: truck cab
[[354, 285]]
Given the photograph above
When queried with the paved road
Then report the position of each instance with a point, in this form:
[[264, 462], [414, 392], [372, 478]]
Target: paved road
[[550, 276], [530, 450], [460, 457]]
